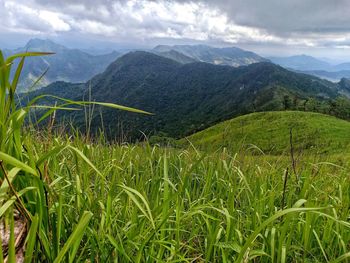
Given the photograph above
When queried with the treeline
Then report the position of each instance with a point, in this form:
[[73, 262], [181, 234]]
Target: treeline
[[339, 107]]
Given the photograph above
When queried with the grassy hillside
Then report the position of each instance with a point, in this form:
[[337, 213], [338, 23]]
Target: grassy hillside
[[270, 132]]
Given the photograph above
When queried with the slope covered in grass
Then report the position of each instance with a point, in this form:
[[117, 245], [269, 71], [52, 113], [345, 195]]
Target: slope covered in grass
[[270, 132]]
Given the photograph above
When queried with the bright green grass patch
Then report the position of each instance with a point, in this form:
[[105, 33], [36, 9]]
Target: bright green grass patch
[[270, 132]]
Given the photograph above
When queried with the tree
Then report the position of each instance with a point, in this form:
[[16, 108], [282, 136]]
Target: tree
[[311, 105], [342, 108], [287, 102]]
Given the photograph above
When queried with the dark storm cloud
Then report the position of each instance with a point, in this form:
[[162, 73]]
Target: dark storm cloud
[[287, 16]]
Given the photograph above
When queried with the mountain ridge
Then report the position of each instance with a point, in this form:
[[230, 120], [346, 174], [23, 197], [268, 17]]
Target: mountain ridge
[[72, 65], [231, 56], [314, 66]]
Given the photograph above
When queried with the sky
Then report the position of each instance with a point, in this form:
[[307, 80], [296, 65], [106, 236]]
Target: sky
[[269, 27]]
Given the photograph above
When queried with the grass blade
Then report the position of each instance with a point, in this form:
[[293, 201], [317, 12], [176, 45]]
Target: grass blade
[[75, 237], [31, 239], [16, 163]]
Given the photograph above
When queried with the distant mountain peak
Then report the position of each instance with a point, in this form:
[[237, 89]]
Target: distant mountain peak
[[231, 56], [301, 62], [143, 60], [37, 44], [71, 65], [303, 55]]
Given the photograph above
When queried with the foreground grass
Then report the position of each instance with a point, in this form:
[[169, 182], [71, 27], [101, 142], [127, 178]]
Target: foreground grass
[[153, 204]]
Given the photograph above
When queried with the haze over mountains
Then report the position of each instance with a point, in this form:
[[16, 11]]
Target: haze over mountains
[[314, 66], [71, 65], [74, 65], [189, 97]]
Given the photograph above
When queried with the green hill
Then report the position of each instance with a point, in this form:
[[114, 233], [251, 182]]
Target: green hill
[[270, 132]]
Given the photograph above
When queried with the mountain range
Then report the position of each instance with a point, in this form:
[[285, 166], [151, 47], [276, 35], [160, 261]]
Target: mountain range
[[231, 56], [74, 65], [71, 65], [185, 98], [314, 66]]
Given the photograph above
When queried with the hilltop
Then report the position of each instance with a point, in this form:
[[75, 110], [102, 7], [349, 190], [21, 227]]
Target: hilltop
[[270, 132]]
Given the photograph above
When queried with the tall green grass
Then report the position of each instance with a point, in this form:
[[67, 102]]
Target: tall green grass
[[24, 176], [95, 202], [153, 204]]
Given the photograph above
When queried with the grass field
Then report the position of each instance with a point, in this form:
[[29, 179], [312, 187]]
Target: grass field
[[153, 204], [83, 201], [270, 132]]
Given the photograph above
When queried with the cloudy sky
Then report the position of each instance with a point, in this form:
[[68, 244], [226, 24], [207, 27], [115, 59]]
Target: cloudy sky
[[269, 27]]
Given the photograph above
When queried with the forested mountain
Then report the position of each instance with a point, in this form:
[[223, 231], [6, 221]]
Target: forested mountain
[[230, 56], [71, 65], [189, 97]]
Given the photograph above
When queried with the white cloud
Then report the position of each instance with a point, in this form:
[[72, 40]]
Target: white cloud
[[54, 20], [296, 23], [134, 18], [25, 19], [93, 27]]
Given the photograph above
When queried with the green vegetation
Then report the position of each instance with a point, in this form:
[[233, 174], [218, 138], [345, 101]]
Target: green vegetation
[[152, 204], [270, 133], [24, 185], [89, 201], [191, 97]]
